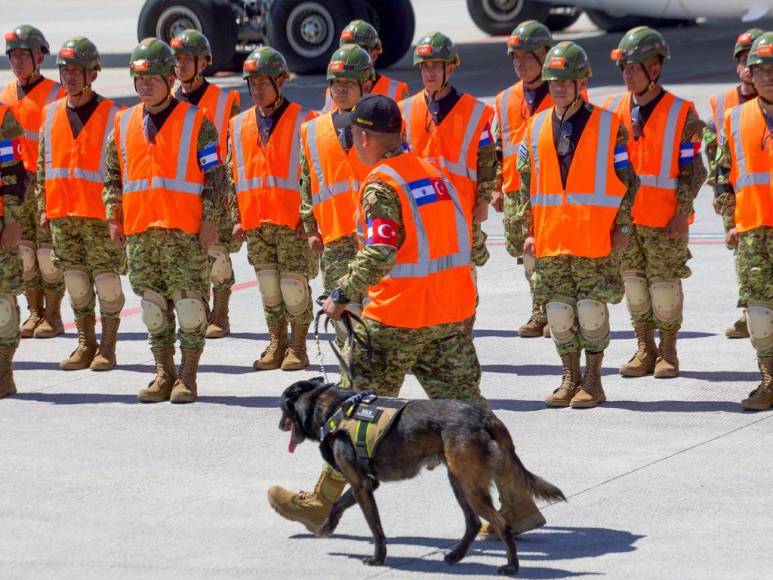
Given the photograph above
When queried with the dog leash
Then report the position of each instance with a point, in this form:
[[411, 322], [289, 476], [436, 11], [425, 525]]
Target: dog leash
[[347, 319]]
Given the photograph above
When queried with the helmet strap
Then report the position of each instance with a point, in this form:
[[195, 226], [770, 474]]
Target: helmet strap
[[651, 84], [277, 91], [541, 61], [188, 83]]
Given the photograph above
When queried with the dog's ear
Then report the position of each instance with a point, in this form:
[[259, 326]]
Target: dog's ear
[[297, 390]]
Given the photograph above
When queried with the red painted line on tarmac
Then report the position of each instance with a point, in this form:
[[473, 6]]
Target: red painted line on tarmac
[[692, 242]]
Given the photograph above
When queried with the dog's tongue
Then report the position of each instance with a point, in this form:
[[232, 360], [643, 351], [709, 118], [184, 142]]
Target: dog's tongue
[[293, 441]]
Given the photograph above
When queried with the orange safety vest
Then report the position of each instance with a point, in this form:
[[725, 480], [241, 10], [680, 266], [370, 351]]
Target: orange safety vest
[[265, 176], [75, 168], [335, 178], [752, 166], [654, 157], [217, 105], [720, 104], [28, 112], [162, 181], [3, 109], [395, 90], [431, 282], [452, 146], [576, 220]]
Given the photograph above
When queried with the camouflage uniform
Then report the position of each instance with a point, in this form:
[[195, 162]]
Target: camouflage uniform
[[442, 357], [488, 167]]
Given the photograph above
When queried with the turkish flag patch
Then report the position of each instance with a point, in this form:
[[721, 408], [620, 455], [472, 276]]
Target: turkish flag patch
[[382, 231]]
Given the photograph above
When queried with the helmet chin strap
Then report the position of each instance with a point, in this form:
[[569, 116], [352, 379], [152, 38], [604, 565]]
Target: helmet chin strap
[[86, 84], [187, 83], [651, 83], [541, 62]]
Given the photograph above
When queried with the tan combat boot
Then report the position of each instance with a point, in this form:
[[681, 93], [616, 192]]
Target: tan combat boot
[[643, 361], [739, 329], [761, 398], [667, 364], [535, 326], [105, 357], [308, 508], [295, 358], [546, 331], [272, 357], [160, 387], [84, 353], [51, 325], [7, 386], [590, 393], [185, 388], [35, 305], [219, 324], [524, 517], [570, 382]]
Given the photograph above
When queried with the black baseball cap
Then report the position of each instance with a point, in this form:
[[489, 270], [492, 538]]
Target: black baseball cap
[[376, 113]]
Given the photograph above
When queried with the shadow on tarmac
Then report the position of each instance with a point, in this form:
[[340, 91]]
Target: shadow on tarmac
[[102, 398], [548, 544]]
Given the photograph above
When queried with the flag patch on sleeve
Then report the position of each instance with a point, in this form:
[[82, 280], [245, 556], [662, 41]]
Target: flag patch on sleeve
[[382, 231], [209, 157], [485, 137], [10, 150], [688, 151], [429, 190], [621, 157]]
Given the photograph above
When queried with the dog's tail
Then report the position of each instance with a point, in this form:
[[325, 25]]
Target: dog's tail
[[512, 472]]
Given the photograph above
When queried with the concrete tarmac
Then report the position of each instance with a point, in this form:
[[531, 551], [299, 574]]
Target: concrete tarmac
[[668, 479]]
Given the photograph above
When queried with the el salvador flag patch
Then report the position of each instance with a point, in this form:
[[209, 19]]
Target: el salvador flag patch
[[688, 151], [209, 157], [621, 157], [430, 190], [10, 150], [485, 137]]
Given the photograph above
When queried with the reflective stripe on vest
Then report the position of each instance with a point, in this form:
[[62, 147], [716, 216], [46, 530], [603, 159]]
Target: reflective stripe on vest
[[744, 178], [405, 110], [178, 183], [326, 190], [508, 148]]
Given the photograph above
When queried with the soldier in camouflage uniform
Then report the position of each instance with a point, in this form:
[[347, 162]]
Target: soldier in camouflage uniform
[[12, 190], [527, 46], [738, 95], [26, 48], [575, 282], [276, 240], [665, 153], [194, 54], [73, 210], [745, 201], [167, 262]]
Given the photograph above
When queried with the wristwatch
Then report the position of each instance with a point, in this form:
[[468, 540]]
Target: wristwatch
[[337, 296]]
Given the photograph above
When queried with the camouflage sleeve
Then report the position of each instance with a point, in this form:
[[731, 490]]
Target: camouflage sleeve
[[710, 146], [216, 185], [40, 186], [724, 193], [374, 261], [629, 178], [112, 191], [523, 202], [499, 151], [307, 209], [487, 173], [692, 174], [10, 129]]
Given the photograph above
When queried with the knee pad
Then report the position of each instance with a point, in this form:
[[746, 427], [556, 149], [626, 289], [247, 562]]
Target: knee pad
[[760, 320], [220, 269], [50, 273], [561, 320], [154, 309], [109, 292], [9, 317], [268, 284], [191, 312], [637, 295], [666, 299], [295, 293], [593, 317], [78, 285], [29, 263]]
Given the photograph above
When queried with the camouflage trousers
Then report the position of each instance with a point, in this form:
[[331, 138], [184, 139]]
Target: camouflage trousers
[[225, 239], [335, 262], [515, 236], [479, 253], [10, 285], [755, 269], [579, 279], [442, 358], [40, 237], [167, 262], [84, 243], [743, 297], [278, 244], [650, 252]]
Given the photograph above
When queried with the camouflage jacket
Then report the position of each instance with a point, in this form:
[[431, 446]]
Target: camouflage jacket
[[10, 129]]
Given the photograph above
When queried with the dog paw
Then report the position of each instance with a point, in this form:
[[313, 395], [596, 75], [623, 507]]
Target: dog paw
[[508, 570], [324, 531], [373, 561], [452, 557]]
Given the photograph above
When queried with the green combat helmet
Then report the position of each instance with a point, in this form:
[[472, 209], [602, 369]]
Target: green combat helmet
[[529, 35], [79, 51], [192, 42], [435, 46], [639, 45], [351, 62], [566, 61], [152, 57], [362, 34], [761, 51], [26, 36], [745, 40], [265, 61]]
